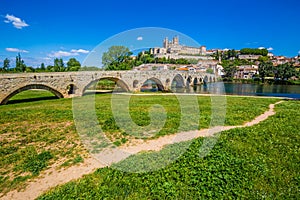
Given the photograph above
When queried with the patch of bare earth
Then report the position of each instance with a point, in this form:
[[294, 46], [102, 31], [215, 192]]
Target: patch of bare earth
[[52, 177]]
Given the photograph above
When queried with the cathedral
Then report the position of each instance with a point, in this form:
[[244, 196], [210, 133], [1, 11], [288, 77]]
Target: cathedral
[[172, 49]]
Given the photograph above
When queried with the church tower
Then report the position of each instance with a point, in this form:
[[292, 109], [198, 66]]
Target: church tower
[[175, 40], [166, 43]]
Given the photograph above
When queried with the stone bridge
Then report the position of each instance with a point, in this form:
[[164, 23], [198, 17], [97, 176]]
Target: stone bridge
[[70, 84]]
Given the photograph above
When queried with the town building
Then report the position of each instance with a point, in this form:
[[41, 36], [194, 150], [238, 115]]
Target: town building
[[249, 57], [246, 71]]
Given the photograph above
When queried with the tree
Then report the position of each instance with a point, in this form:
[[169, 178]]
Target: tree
[[43, 68], [50, 68], [210, 71], [6, 64], [285, 71], [249, 51], [59, 65], [73, 65], [29, 69], [114, 56], [265, 69], [229, 68], [20, 65]]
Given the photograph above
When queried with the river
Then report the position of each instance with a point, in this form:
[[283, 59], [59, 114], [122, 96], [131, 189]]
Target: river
[[290, 91]]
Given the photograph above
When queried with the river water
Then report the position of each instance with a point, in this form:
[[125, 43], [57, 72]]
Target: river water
[[290, 91]]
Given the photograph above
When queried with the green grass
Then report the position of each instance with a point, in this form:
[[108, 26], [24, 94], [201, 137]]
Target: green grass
[[38, 132], [259, 162]]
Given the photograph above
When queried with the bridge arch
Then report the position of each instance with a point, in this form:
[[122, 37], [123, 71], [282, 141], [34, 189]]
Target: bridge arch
[[118, 81], [29, 87], [158, 82], [178, 80]]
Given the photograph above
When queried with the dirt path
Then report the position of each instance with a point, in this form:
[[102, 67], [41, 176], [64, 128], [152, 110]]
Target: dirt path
[[52, 178]]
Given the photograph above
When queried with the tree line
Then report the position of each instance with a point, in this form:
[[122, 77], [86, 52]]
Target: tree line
[[265, 69], [58, 66]]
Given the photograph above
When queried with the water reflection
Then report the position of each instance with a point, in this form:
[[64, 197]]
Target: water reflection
[[291, 91]]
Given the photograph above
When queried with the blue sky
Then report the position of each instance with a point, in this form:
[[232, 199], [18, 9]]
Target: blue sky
[[44, 29]]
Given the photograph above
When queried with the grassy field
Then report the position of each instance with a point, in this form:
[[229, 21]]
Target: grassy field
[[259, 162], [37, 131]]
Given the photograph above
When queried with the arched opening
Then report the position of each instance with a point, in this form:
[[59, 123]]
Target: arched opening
[[210, 79], [32, 98], [177, 82], [189, 81], [106, 84], [71, 89], [152, 85], [200, 80], [168, 81], [135, 83], [214, 79], [168, 84], [195, 82], [205, 80]]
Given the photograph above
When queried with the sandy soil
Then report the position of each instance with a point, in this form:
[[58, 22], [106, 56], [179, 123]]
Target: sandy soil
[[51, 178]]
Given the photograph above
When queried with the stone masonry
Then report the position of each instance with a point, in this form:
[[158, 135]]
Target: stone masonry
[[70, 84]]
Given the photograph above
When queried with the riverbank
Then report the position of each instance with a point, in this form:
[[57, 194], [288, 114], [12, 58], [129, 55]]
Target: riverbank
[[259, 81]]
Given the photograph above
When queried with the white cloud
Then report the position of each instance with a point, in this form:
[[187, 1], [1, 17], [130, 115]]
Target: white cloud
[[270, 49], [140, 38], [16, 50], [80, 51], [62, 54], [73, 52], [17, 22], [261, 47]]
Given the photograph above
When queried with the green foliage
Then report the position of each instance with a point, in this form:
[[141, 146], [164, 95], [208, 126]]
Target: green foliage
[[249, 51], [6, 64], [281, 72], [263, 58], [117, 58], [20, 65], [265, 69], [59, 65], [73, 65], [229, 68], [285, 71], [43, 68], [85, 68], [259, 162], [210, 71]]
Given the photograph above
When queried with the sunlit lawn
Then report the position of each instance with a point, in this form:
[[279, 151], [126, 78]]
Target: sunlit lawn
[[38, 131]]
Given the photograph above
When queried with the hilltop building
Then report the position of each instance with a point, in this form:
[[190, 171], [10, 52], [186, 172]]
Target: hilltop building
[[172, 49]]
